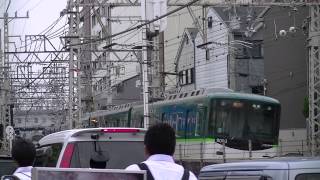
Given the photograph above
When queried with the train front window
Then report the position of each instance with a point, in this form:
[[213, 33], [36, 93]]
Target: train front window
[[244, 120]]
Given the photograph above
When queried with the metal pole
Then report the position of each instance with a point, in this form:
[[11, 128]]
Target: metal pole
[[224, 150], [145, 67], [74, 105], [250, 148], [314, 80], [201, 154], [180, 153]]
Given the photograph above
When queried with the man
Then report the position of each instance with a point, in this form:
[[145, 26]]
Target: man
[[24, 153], [160, 142]]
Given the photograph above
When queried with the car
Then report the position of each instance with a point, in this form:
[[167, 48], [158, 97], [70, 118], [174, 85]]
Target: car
[[289, 168], [75, 148], [7, 165]]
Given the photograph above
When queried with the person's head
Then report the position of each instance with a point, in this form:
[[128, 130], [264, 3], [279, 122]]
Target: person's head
[[160, 139], [23, 152]]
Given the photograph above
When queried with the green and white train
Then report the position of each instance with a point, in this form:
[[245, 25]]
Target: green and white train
[[209, 126]]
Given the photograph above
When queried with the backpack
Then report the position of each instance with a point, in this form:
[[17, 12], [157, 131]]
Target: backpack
[[143, 166]]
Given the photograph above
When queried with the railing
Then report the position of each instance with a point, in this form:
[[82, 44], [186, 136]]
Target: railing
[[202, 152]]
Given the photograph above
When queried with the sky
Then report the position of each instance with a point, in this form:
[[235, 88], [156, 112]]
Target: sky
[[42, 13]]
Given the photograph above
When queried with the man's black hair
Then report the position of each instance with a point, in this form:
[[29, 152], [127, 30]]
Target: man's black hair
[[23, 152], [160, 139]]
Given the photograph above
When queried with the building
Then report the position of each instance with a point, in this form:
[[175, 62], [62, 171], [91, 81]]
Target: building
[[286, 62], [127, 91], [229, 56], [273, 65], [110, 62], [34, 123]]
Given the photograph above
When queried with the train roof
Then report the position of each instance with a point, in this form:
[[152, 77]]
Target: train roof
[[235, 95], [190, 96]]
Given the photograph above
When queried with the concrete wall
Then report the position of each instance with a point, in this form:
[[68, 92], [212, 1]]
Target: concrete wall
[[286, 64], [249, 72], [126, 92]]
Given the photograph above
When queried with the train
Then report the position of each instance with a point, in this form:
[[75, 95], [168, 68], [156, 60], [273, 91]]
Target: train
[[216, 125]]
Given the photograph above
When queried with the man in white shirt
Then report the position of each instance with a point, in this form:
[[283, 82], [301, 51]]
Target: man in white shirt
[[160, 142], [24, 153]]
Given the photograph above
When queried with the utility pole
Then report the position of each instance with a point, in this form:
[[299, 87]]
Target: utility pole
[[314, 80], [145, 66], [6, 105], [73, 40]]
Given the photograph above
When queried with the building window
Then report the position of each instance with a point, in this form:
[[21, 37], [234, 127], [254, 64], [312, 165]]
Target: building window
[[207, 54], [257, 90], [36, 120], [100, 34], [186, 77], [210, 22], [93, 20], [254, 52], [19, 121]]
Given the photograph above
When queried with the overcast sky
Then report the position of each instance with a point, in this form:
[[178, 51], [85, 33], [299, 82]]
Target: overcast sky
[[42, 13]]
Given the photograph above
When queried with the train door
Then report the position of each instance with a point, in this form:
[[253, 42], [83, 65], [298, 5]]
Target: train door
[[202, 121]]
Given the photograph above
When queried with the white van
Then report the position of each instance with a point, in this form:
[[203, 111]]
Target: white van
[[298, 168], [74, 148]]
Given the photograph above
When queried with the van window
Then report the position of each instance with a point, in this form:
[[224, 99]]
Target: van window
[[47, 156], [118, 153], [308, 176]]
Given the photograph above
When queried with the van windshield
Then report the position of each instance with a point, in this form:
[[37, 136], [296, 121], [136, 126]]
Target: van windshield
[[120, 153]]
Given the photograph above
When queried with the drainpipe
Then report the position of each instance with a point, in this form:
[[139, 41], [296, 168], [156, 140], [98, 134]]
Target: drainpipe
[[194, 64]]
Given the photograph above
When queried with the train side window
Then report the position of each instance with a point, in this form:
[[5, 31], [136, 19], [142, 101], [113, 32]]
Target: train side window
[[192, 124]]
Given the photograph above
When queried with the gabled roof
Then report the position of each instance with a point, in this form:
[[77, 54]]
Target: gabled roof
[[190, 33], [243, 14]]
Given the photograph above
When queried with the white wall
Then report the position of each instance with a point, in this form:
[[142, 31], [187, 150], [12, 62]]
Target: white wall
[[213, 72], [132, 38], [172, 36], [293, 141]]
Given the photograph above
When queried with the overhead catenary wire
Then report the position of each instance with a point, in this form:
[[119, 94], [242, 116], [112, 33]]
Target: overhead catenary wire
[[139, 26]]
